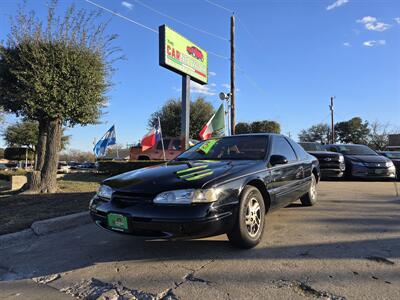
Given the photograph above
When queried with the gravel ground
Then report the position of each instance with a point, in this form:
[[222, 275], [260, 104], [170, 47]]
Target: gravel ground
[[345, 247]]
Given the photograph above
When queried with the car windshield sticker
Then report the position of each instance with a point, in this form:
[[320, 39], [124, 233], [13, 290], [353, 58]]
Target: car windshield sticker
[[207, 146]]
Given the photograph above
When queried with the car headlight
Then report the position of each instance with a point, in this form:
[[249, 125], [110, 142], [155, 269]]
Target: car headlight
[[187, 196], [105, 192], [341, 158], [389, 164], [360, 164]]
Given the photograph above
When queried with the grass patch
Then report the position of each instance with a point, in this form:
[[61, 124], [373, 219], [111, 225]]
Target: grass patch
[[18, 212]]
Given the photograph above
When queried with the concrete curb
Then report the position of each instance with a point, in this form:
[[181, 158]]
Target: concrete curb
[[60, 223], [11, 239], [44, 227]]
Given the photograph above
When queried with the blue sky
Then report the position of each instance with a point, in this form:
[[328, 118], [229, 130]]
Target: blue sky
[[292, 55]]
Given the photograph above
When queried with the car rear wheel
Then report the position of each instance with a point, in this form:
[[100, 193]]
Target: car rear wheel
[[310, 198], [249, 226]]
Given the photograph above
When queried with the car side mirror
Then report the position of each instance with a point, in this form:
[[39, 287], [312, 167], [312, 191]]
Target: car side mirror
[[278, 160]]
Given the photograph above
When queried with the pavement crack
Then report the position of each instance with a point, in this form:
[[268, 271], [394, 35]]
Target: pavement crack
[[306, 290]]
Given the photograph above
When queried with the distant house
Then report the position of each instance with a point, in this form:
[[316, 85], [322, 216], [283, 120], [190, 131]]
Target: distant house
[[122, 154]]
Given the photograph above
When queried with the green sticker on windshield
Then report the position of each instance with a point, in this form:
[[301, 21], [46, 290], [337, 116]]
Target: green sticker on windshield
[[207, 146]]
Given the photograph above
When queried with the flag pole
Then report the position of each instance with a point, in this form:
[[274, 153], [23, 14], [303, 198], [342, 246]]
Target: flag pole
[[162, 140]]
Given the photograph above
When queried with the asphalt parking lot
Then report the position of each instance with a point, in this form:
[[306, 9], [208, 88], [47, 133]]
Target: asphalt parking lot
[[345, 247]]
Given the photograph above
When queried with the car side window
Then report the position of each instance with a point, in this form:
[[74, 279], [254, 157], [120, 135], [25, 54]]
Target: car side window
[[301, 153], [332, 149], [280, 146], [166, 144]]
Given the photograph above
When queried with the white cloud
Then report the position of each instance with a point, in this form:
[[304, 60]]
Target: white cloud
[[336, 4], [211, 73], [213, 84], [226, 85], [367, 19], [346, 44], [397, 20], [127, 5], [201, 89], [371, 23], [372, 43]]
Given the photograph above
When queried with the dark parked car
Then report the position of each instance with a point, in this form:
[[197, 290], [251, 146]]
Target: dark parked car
[[222, 185], [331, 163], [394, 156], [363, 162]]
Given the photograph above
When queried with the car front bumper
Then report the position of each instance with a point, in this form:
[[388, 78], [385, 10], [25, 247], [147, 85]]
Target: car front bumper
[[328, 173], [365, 172], [162, 221]]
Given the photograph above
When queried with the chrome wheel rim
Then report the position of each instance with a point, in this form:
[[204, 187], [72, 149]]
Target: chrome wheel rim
[[253, 217], [313, 188]]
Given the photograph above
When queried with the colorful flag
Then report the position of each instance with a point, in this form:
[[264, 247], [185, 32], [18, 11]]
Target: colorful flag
[[215, 126], [108, 139], [151, 138]]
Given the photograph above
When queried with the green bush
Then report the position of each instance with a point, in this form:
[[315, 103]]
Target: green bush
[[118, 167], [6, 175]]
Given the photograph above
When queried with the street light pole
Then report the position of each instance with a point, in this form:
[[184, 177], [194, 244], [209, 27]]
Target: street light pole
[[332, 122]]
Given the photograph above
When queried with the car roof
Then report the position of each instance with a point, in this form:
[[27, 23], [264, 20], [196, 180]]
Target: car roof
[[254, 134]]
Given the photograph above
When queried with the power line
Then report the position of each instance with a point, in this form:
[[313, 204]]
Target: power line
[[219, 6], [122, 16], [180, 22], [142, 25]]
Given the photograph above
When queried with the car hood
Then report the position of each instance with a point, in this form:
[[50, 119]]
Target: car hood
[[319, 154], [367, 158], [176, 175]]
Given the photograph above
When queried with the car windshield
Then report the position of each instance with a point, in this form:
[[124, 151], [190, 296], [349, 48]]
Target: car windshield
[[228, 148], [355, 150], [312, 147], [394, 155]]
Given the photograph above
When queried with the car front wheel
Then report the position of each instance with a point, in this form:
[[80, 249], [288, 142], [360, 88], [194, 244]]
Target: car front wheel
[[310, 198], [249, 226]]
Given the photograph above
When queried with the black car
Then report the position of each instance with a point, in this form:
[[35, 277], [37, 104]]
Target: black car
[[331, 163], [394, 156], [363, 162], [222, 185]]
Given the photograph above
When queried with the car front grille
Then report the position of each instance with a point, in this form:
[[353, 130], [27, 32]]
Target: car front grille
[[129, 199]]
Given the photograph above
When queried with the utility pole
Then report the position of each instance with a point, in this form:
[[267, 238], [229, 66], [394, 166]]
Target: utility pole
[[233, 113], [332, 123]]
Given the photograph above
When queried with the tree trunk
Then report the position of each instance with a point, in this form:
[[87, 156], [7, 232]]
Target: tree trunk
[[41, 146], [49, 171], [35, 177]]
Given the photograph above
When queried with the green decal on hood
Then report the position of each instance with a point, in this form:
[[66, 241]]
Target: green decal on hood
[[191, 169], [207, 146], [200, 176], [194, 173]]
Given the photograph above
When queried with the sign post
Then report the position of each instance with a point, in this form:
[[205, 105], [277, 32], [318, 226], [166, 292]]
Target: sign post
[[185, 118], [182, 56]]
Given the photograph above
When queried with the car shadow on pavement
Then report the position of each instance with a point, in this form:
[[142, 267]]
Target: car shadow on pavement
[[89, 246]]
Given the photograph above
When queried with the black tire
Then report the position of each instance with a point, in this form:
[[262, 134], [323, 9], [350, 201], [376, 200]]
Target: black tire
[[310, 198], [240, 235]]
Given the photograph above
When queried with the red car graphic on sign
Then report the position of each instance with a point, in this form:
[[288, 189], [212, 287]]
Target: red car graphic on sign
[[195, 52]]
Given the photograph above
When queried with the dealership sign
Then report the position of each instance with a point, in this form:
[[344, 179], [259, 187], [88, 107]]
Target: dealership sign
[[180, 55]]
